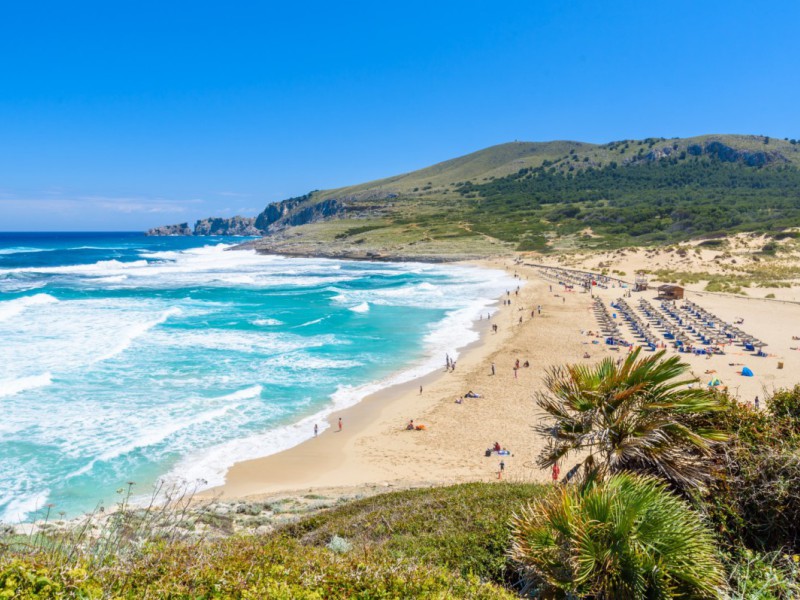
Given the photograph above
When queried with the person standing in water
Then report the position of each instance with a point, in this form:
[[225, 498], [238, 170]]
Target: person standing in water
[[316, 429]]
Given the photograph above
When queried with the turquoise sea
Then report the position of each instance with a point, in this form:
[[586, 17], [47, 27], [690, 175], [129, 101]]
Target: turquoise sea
[[128, 358]]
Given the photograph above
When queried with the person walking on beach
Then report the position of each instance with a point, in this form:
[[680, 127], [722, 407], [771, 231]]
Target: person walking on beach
[[756, 403], [420, 390], [492, 368], [556, 472], [316, 429], [502, 468], [340, 423]]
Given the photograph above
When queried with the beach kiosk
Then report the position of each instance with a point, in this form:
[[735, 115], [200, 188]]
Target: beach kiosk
[[670, 292]]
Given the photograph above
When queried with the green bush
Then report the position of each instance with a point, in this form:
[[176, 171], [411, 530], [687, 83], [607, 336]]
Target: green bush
[[785, 404], [771, 576], [754, 501], [627, 537]]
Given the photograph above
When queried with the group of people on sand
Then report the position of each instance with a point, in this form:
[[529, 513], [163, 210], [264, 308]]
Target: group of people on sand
[[469, 394], [497, 449], [449, 363], [412, 427]]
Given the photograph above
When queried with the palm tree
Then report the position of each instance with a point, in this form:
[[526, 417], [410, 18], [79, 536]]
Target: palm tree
[[634, 416], [627, 537]]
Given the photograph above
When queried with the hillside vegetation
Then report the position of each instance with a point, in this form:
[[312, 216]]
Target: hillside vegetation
[[436, 543], [540, 196]]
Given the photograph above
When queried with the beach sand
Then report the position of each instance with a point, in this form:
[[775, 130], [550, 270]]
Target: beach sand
[[374, 450]]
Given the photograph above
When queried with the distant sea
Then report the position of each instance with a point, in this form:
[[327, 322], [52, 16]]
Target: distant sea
[[146, 359]]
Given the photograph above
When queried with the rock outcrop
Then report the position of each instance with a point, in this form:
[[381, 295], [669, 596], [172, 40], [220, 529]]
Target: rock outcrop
[[298, 211], [179, 229], [231, 226], [752, 158], [234, 226]]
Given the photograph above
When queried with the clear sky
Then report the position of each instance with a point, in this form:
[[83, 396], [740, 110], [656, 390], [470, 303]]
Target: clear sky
[[122, 115]]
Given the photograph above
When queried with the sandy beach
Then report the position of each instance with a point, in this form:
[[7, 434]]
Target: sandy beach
[[374, 450]]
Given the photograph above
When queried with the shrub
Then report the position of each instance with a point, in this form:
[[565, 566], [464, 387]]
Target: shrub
[[769, 248], [626, 538], [635, 416], [785, 404], [755, 499], [339, 545], [770, 576]]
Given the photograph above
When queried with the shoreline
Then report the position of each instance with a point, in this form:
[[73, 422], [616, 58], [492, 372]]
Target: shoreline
[[358, 416], [373, 451], [363, 455]]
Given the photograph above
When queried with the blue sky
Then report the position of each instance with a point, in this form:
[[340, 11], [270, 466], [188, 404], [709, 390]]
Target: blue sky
[[124, 115]]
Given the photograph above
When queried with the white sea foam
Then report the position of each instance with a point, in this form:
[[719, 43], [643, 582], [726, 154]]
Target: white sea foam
[[267, 322], [208, 467], [12, 308], [19, 505], [9, 387], [246, 342], [111, 279], [22, 250], [209, 265], [314, 322], [135, 331], [245, 394], [360, 308], [151, 436]]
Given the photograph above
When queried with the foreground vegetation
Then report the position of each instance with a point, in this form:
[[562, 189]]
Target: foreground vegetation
[[437, 543], [626, 527]]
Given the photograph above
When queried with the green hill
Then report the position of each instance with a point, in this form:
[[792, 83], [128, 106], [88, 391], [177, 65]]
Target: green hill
[[541, 196]]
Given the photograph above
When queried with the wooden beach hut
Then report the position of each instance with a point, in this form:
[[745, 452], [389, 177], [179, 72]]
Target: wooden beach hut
[[670, 292]]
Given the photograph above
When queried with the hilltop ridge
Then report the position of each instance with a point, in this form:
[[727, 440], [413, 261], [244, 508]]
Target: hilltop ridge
[[543, 195]]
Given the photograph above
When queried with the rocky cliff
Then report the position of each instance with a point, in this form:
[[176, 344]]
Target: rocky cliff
[[231, 226], [724, 153], [244, 226], [179, 229]]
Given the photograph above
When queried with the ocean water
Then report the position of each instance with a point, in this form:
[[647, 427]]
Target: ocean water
[[128, 358]]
